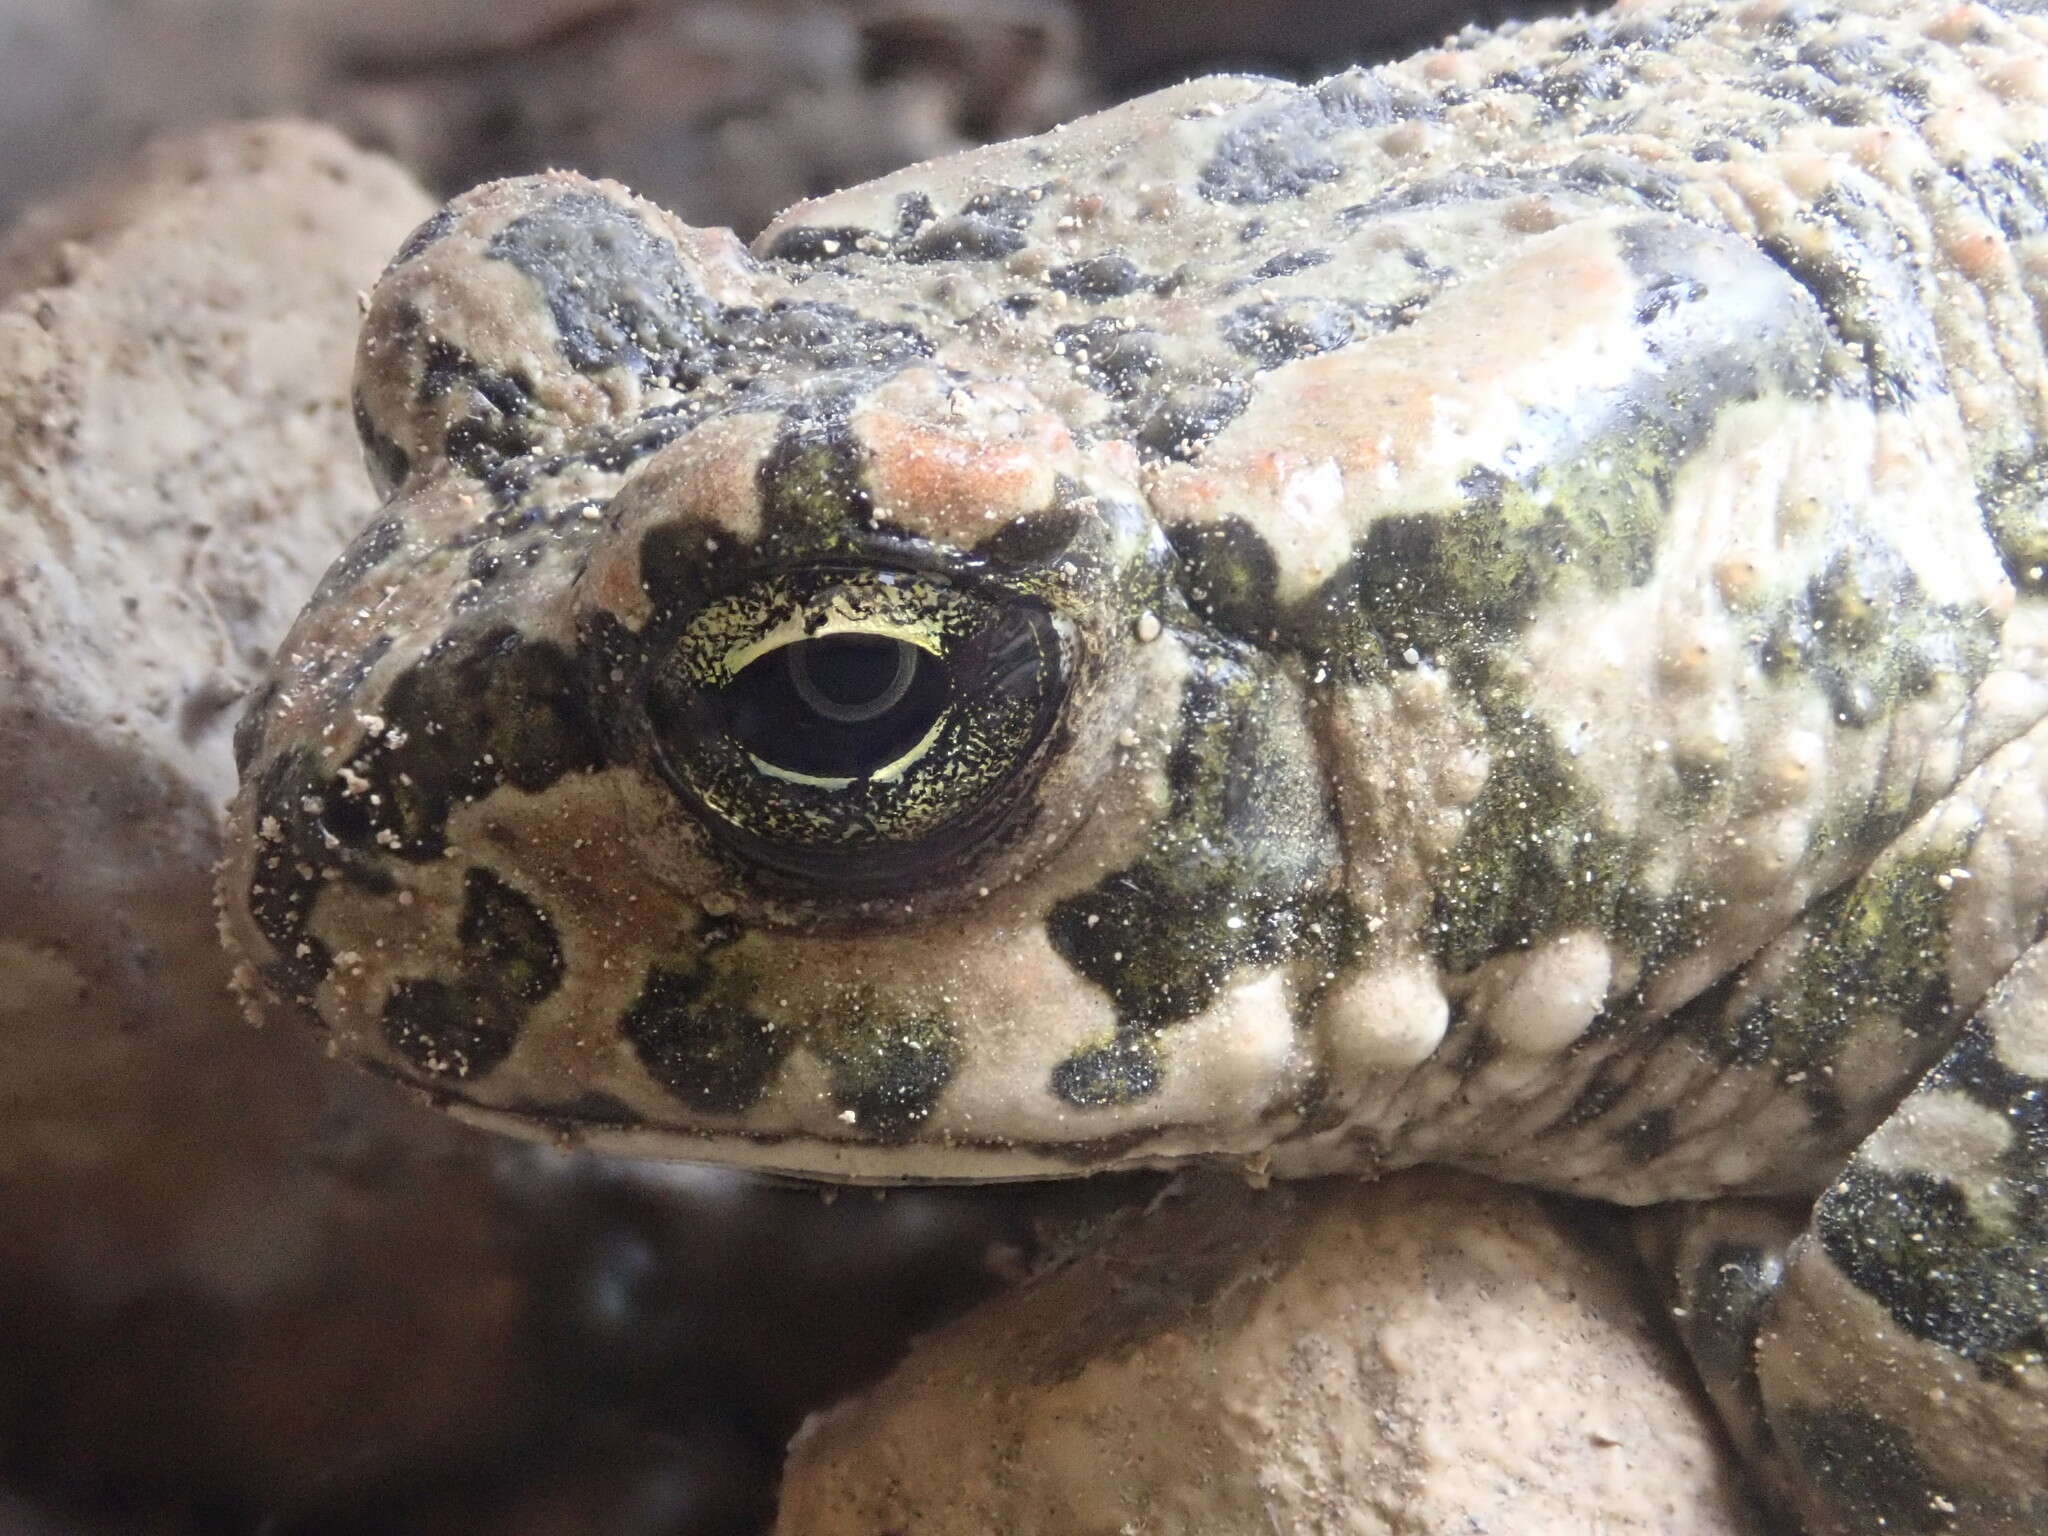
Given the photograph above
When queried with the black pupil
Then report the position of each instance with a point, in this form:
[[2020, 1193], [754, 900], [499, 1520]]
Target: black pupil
[[852, 678], [840, 706]]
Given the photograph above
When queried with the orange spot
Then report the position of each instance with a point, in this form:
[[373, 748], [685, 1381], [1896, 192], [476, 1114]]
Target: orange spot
[[935, 473]]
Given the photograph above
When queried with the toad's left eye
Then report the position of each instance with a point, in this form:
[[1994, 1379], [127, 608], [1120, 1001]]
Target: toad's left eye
[[858, 725]]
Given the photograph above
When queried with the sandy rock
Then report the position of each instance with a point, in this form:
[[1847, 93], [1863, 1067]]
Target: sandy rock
[[1427, 1354], [176, 467]]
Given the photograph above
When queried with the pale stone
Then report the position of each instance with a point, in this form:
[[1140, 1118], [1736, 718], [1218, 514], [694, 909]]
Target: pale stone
[[1426, 1354]]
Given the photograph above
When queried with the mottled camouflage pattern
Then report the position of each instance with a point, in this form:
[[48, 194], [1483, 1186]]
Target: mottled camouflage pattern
[[1534, 576]]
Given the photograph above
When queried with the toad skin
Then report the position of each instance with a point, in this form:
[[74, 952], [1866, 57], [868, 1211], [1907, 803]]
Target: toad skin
[[1489, 611]]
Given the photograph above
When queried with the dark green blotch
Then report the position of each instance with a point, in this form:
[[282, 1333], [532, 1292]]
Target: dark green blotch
[[1567, 86], [808, 334], [1097, 278], [511, 480], [1234, 878], [1587, 505], [1159, 945], [888, 1069], [1120, 360], [1665, 294], [1700, 778], [1122, 1071], [1887, 349], [366, 551], [1608, 172], [1747, 1038], [1229, 575], [808, 243], [291, 869], [388, 463], [425, 235], [1032, 539], [1867, 1470], [628, 447], [450, 1031], [1287, 147], [1286, 264], [1180, 424], [1865, 631], [492, 427], [480, 443], [1240, 874], [813, 480], [1647, 1137], [1454, 588], [1815, 98], [1458, 186], [1974, 1066], [989, 225], [677, 563], [1877, 947], [966, 236], [1944, 1272], [484, 707], [913, 211], [2013, 491], [619, 292], [1537, 855], [694, 1030], [508, 944], [1449, 585], [1275, 331], [511, 959]]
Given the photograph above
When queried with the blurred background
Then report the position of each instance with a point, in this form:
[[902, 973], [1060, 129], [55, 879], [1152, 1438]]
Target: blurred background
[[725, 110], [242, 1291]]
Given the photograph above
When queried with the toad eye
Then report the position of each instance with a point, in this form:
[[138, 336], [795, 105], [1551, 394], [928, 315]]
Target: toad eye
[[843, 706], [859, 727]]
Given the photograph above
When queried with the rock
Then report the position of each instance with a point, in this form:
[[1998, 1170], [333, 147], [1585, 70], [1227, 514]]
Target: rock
[[176, 467], [1426, 1354]]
